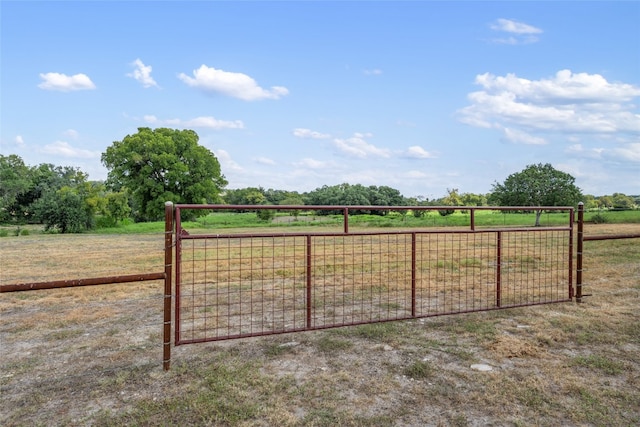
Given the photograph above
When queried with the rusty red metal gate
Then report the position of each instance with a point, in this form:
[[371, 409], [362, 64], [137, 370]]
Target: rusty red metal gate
[[251, 284]]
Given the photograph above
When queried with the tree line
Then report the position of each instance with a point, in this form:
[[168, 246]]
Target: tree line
[[152, 166]]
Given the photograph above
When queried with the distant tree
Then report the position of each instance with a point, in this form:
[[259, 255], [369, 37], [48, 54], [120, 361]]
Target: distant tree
[[622, 201], [535, 186], [293, 200], [63, 210], [451, 199], [355, 195], [14, 180], [163, 165], [116, 208], [276, 197], [605, 202], [590, 201], [471, 199]]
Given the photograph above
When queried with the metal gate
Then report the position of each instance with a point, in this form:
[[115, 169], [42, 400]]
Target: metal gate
[[251, 284]]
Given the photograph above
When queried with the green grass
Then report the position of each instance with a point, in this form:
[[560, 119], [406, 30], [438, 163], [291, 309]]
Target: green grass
[[226, 220], [419, 370], [600, 363]]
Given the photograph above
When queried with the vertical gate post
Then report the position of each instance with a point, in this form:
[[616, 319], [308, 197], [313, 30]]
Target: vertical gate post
[[579, 252], [413, 274], [168, 258], [499, 269], [308, 297]]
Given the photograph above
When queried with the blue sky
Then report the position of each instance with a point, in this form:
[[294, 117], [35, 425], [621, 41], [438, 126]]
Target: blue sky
[[419, 96]]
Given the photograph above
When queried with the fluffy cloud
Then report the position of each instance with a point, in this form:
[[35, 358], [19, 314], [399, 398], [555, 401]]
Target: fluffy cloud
[[226, 162], [19, 140], [357, 146], [64, 83], [64, 149], [265, 161], [309, 163], [417, 152], [198, 122], [567, 103], [629, 152], [511, 26], [309, 134], [236, 85], [142, 73], [518, 137], [519, 32]]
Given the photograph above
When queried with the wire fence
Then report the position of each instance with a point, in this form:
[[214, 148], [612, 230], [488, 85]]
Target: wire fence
[[250, 284]]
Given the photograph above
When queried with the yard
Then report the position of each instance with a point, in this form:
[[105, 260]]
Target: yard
[[93, 355]]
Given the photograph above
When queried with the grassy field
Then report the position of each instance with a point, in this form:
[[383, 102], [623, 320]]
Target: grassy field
[[230, 220], [92, 356]]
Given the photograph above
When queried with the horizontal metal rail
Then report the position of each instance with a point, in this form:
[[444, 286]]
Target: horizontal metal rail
[[611, 236], [56, 284], [367, 233]]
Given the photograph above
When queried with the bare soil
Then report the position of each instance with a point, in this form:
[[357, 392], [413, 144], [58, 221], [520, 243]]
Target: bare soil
[[93, 355]]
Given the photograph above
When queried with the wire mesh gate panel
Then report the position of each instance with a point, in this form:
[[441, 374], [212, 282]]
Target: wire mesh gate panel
[[241, 285]]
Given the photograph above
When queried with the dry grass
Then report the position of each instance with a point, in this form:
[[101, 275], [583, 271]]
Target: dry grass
[[92, 356]]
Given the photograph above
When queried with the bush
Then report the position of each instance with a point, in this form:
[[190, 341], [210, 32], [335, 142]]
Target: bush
[[266, 214], [4, 232], [24, 232], [599, 219]]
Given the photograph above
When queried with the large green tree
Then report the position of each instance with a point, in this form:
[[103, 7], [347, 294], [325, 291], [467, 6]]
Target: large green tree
[[162, 165], [535, 186]]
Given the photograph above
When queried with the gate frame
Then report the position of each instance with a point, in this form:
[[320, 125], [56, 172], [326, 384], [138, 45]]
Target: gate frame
[[580, 246], [180, 231]]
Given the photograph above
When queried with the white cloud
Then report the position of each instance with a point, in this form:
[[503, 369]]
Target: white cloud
[[417, 152], [519, 32], [226, 162], [64, 83], [309, 163], [629, 152], [265, 161], [374, 72], [236, 85], [142, 73], [580, 151], [518, 137], [567, 103], [357, 146], [511, 26], [198, 122], [307, 133], [64, 149], [19, 140]]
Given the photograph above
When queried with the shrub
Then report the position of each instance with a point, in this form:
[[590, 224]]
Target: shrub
[[599, 219], [24, 232], [266, 214], [4, 232]]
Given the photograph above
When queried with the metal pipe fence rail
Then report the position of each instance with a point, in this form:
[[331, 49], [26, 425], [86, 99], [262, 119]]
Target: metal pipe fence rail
[[97, 258], [251, 284]]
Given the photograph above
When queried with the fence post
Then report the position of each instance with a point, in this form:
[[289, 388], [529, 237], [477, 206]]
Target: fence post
[[413, 274], [308, 296], [168, 258], [499, 269], [579, 254]]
